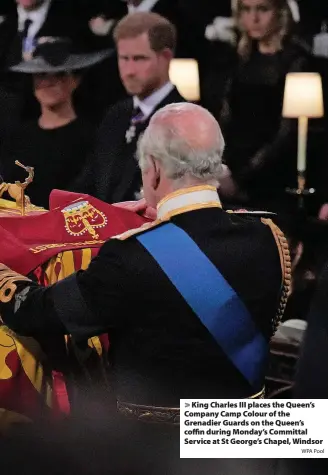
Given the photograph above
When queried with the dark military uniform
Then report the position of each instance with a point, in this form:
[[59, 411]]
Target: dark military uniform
[[160, 350]]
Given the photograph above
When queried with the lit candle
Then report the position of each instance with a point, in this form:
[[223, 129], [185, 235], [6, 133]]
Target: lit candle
[[302, 142], [303, 99]]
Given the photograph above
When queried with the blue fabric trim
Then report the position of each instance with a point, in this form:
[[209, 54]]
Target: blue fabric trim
[[211, 298]]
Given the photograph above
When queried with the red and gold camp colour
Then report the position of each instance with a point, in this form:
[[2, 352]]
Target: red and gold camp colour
[[49, 245]]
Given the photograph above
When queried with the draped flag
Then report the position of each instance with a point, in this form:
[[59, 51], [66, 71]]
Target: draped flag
[[48, 246]]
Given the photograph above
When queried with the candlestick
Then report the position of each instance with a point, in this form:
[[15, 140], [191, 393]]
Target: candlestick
[[302, 143], [303, 99]]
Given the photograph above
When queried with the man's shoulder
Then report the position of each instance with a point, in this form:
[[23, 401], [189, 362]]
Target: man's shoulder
[[249, 213], [133, 233], [268, 249], [115, 110], [251, 225], [252, 219], [264, 235], [114, 122], [260, 220], [125, 247], [172, 97]]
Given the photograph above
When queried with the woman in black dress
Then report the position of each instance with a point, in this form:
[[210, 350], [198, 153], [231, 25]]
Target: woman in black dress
[[259, 143], [58, 143]]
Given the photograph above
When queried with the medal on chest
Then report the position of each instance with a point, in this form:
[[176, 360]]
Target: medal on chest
[[130, 133]]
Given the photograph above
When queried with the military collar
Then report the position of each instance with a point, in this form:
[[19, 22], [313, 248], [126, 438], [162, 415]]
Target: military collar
[[188, 199]]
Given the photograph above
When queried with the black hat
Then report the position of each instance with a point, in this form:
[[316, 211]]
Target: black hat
[[55, 54]]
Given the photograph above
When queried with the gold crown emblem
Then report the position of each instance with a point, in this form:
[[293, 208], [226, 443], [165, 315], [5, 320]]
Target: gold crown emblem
[[82, 217]]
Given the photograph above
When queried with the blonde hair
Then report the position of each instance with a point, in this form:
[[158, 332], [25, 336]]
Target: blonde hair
[[161, 32], [245, 43]]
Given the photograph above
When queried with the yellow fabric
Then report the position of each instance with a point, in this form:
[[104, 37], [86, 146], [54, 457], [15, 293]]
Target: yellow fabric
[[60, 266], [8, 287], [11, 208], [31, 358], [6, 204], [63, 265], [28, 351], [184, 191], [86, 258]]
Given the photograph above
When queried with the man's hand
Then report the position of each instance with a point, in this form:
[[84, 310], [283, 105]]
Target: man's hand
[[100, 26], [221, 29], [139, 207]]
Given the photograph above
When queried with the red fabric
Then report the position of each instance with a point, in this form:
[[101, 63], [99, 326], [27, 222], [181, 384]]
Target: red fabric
[[17, 393], [60, 396], [24, 239], [29, 241]]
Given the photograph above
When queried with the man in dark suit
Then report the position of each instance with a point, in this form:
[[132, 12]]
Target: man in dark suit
[[145, 45], [189, 17], [191, 300], [33, 19]]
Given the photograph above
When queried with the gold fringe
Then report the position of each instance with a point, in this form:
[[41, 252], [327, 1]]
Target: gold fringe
[[8, 287], [286, 268]]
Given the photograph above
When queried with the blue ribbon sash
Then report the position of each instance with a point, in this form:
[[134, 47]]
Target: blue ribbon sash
[[211, 298]]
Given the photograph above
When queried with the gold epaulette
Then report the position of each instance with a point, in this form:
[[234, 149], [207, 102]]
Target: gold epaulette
[[250, 213], [133, 232], [286, 269], [8, 287]]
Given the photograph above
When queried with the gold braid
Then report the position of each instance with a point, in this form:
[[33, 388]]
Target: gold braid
[[3, 188], [8, 287], [286, 268]]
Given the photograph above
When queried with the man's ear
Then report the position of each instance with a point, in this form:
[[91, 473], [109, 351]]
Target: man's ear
[[167, 54], [156, 175]]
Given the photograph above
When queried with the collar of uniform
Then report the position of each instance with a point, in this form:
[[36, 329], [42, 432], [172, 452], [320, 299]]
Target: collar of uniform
[[188, 199], [145, 6], [37, 16], [148, 105]]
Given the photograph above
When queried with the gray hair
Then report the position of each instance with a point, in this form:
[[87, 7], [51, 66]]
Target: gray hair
[[194, 150]]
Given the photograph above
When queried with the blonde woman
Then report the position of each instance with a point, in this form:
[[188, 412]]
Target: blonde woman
[[258, 151]]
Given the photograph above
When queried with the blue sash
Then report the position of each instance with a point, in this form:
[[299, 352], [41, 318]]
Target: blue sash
[[211, 298]]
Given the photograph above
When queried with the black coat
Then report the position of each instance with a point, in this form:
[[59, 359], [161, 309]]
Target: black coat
[[190, 22], [259, 143], [64, 19], [113, 174], [160, 350]]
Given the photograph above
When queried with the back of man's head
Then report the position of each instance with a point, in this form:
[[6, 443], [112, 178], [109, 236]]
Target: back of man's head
[[187, 141], [161, 32]]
